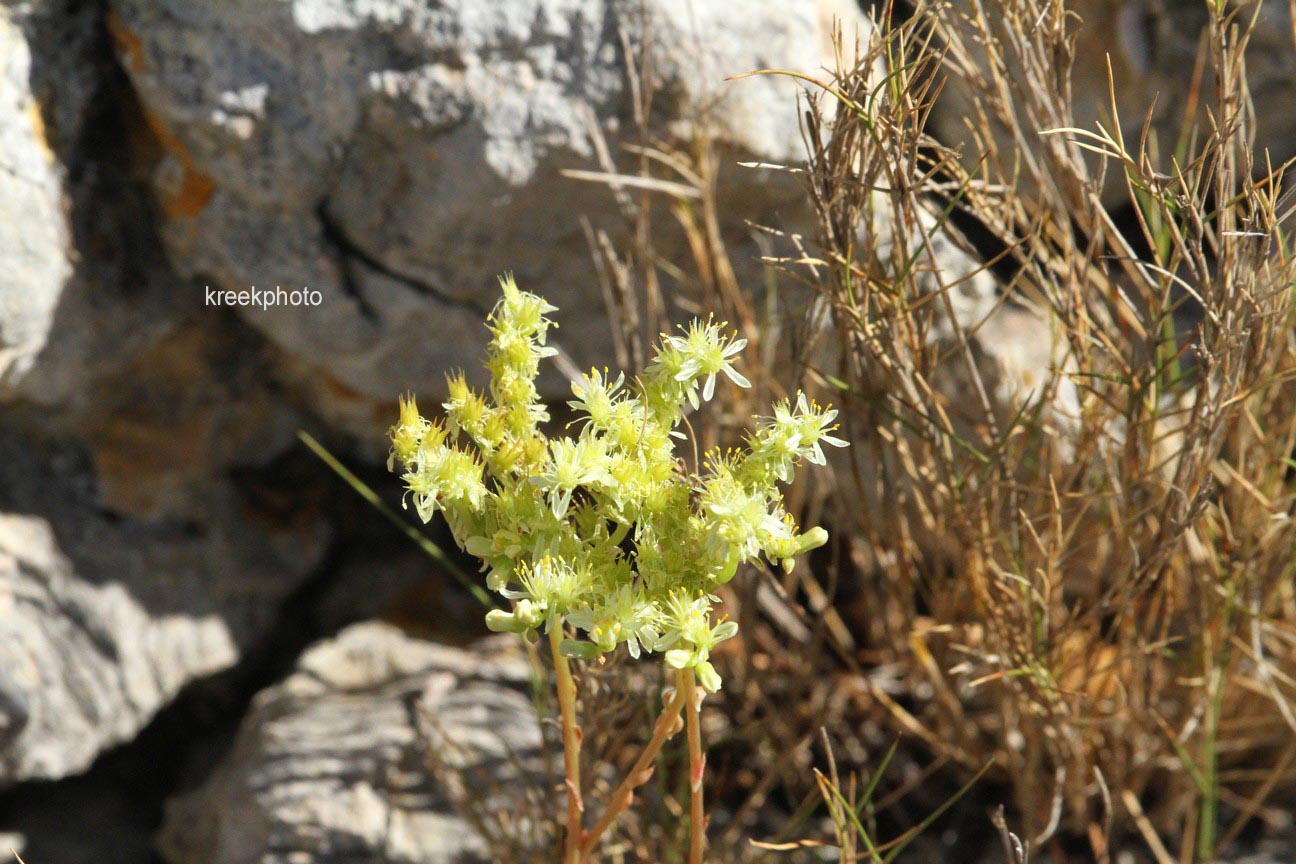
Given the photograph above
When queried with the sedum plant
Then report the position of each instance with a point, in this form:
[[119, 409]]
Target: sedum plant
[[605, 538]]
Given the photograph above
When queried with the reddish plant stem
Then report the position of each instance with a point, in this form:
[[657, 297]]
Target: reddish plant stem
[[697, 766], [667, 725]]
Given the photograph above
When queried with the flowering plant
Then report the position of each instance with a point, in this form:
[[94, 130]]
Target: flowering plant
[[606, 538]]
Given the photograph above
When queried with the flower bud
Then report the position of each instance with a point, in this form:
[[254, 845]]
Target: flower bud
[[500, 621], [707, 676], [812, 539]]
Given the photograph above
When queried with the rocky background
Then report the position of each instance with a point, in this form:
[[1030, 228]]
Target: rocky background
[[178, 677]]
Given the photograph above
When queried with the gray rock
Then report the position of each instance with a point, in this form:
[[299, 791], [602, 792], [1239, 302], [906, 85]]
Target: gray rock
[[334, 761], [397, 157], [72, 243], [84, 665], [131, 563], [103, 619], [34, 241]]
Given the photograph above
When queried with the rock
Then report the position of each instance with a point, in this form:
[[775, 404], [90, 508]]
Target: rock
[[398, 157], [189, 405], [334, 761], [138, 552], [83, 664], [133, 561], [76, 253], [34, 234], [104, 619]]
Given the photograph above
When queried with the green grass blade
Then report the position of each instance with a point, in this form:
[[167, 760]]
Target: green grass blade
[[432, 550], [912, 833]]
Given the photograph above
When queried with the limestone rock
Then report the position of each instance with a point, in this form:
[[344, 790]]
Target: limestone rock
[[34, 242], [397, 157], [333, 762], [81, 661], [103, 619], [132, 561]]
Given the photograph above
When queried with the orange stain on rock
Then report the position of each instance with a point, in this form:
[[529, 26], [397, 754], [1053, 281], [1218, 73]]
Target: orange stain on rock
[[37, 120], [188, 198], [127, 42], [195, 191]]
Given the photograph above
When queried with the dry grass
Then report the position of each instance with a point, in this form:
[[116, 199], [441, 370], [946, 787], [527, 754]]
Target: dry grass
[[1083, 580], [1090, 583]]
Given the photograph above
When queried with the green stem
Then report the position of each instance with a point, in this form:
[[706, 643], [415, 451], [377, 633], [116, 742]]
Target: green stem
[[571, 735]]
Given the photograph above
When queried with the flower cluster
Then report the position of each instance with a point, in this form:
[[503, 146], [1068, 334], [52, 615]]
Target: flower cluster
[[606, 533]]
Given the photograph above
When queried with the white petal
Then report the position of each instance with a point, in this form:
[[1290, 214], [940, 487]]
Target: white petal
[[736, 377], [561, 503]]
